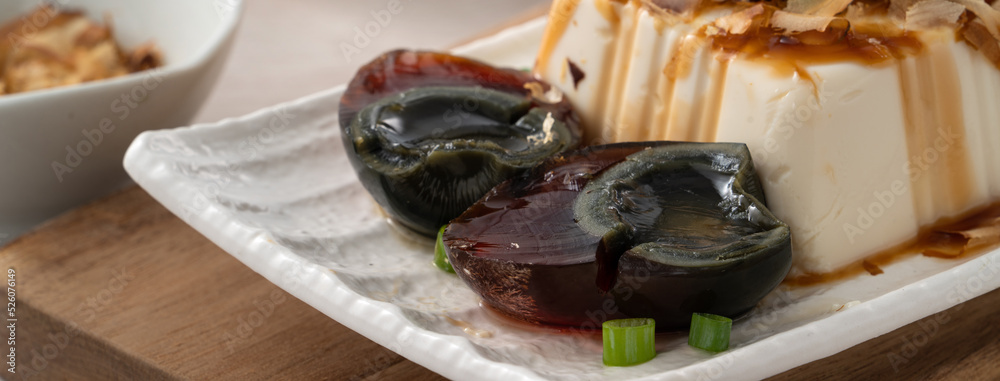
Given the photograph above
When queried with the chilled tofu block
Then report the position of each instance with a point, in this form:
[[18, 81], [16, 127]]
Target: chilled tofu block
[[867, 124]]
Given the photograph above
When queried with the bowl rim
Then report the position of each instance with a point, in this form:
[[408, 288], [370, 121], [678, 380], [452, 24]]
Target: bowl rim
[[224, 32]]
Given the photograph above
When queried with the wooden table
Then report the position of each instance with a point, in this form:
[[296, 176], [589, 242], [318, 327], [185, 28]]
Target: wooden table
[[122, 289]]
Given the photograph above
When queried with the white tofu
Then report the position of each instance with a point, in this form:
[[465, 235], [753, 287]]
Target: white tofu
[[855, 158]]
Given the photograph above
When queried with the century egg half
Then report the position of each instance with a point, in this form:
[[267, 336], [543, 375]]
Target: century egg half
[[430, 133], [631, 230]]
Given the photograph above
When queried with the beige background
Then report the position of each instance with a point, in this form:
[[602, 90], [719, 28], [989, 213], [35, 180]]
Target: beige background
[[288, 49]]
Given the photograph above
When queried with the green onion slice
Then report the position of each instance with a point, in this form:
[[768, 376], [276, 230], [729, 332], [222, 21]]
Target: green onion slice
[[710, 332], [440, 257], [629, 342]]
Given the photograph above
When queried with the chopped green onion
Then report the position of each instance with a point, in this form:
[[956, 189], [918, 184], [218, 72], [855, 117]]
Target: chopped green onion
[[440, 257], [629, 342], [710, 332]]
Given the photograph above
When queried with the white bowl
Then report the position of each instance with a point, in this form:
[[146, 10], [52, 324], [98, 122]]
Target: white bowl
[[53, 152]]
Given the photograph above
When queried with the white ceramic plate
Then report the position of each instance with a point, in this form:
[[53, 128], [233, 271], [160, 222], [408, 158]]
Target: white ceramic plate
[[275, 190]]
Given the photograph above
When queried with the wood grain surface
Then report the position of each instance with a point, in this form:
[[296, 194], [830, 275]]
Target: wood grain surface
[[122, 289]]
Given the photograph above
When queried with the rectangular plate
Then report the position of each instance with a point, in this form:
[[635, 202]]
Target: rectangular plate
[[275, 190]]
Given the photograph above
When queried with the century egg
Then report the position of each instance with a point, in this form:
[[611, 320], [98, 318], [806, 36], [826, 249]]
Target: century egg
[[656, 230], [430, 133]]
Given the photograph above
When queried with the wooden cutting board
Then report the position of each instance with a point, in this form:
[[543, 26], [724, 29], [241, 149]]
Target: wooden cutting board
[[122, 289]]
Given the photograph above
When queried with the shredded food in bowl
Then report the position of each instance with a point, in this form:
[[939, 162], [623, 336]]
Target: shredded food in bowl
[[52, 47]]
